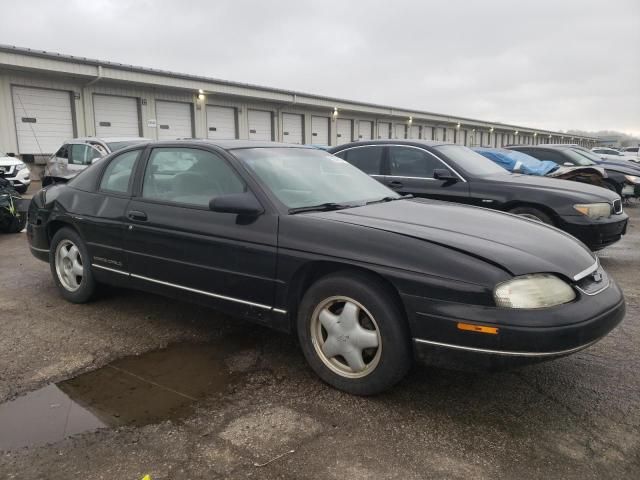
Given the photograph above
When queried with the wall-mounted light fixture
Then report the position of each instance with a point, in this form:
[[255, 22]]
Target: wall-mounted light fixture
[[535, 134], [549, 135], [410, 120], [491, 129], [458, 126], [335, 112], [516, 132], [200, 94]]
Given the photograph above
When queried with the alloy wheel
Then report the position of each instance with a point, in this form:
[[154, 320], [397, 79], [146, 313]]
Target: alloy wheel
[[69, 267], [346, 337]]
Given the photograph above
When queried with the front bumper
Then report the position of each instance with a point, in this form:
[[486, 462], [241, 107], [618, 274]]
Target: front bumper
[[631, 190], [21, 178], [595, 234], [523, 336]]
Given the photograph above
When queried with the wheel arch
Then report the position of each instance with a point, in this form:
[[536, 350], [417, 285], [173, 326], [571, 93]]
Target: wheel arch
[[507, 207], [311, 272], [55, 225]]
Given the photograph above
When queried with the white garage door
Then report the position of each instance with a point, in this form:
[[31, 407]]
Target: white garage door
[[43, 119], [319, 130], [414, 131], [427, 133], [221, 122], [400, 132], [116, 116], [292, 128], [384, 129], [460, 136], [260, 127], [365, 129], [450, 135], [344, 131], [173, 120]]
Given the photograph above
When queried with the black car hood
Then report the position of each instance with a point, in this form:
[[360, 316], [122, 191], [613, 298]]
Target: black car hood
[[579, 191], [518, 245]]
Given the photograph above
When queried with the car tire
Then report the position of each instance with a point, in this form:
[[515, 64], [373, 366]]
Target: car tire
[[350, 319], [71, 267], [532, 214]]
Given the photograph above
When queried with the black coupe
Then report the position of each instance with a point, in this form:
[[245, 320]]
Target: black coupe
[[456, 173], [300, 240]]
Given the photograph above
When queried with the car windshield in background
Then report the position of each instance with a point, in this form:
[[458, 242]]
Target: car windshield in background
[[113, 146], [470, 161], [581, 158], [302, 177]]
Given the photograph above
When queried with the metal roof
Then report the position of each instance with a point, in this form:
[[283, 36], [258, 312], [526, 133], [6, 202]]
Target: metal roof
[[133, 68]]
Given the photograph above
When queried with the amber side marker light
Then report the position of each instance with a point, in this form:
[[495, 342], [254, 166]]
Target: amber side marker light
[[477, 328]]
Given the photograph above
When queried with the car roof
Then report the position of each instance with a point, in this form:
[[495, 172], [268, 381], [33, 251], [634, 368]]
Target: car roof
[[232, 144], [420, 143]]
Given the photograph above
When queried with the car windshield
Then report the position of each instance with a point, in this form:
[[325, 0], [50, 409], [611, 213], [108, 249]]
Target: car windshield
[[113, 146], [470, 161], [304, 177], [582, 158]]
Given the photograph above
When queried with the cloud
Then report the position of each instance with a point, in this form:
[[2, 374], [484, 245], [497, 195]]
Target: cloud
[[554, 65]]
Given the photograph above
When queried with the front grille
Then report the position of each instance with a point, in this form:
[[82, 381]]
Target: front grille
[[593, 283], [7, 171], [617, 206]]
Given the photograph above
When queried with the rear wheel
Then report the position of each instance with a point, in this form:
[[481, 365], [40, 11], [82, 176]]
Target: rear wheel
[[532, 214], [353, 334], [70, 266]]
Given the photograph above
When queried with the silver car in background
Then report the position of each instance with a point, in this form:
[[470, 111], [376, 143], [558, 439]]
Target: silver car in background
[[77, 154]]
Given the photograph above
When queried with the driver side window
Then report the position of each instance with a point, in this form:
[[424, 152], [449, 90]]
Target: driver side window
[[82, 154], [412, 162], [188, 176]]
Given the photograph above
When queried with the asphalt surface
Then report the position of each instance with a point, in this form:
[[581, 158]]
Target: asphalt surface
[[270, 417]]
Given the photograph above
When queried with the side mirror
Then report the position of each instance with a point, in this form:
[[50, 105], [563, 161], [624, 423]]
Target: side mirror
[[11, 154], [444, 174], [239, 203]]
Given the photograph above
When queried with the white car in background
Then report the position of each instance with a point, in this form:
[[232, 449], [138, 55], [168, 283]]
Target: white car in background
[[612, 154], [633, 152], [15, 171]]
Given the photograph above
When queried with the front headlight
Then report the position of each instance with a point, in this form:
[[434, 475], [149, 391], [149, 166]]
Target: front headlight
[[533, 291], [20, 166], [594, 210], [632, 179]]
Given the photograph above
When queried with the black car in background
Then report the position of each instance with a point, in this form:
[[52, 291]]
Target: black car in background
[[297, 239], [622, 179], [455, 173]]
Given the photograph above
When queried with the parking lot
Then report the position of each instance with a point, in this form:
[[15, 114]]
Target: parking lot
[[149, 385]]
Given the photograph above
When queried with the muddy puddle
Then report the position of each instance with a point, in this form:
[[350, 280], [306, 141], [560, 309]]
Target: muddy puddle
[[156, 386]]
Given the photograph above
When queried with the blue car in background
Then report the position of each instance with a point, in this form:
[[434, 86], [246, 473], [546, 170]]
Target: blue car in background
[[518, 162]]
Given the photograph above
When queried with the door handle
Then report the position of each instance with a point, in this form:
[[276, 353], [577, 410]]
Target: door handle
[[396, 184], [137, 215]]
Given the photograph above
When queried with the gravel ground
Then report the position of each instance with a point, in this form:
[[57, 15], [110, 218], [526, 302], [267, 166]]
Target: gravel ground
[[576, 417]]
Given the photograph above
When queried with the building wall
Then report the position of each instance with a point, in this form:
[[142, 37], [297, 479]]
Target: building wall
[[148, 88]]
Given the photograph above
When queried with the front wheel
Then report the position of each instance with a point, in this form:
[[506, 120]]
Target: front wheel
[[71, 267], [353, 334]]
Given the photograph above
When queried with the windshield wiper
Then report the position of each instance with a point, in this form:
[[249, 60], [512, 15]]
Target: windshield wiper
[[389, 199], [323, 207]]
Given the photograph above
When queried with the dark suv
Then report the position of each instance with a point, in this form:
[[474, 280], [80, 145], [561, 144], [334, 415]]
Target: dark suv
[[455, 173]]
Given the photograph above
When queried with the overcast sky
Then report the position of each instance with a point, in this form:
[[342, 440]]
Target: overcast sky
[[548, 64]]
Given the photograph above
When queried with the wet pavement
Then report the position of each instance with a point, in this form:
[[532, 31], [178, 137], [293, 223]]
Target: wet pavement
[[139, 390], [134, 384]]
